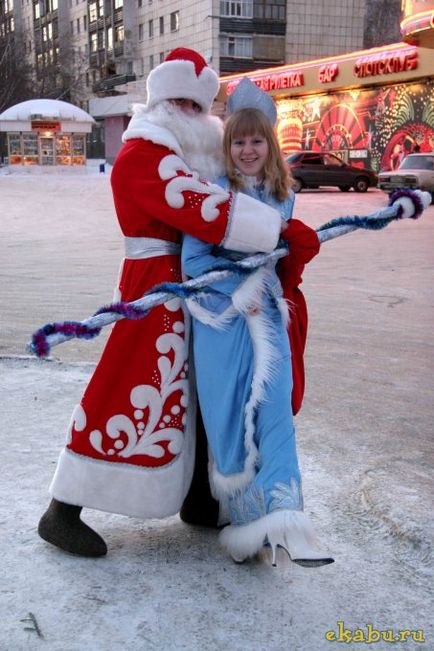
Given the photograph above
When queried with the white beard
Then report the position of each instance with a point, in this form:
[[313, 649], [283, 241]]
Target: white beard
[[199, 136]]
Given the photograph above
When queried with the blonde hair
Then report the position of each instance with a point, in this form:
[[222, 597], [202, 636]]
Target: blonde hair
[[251, 122]]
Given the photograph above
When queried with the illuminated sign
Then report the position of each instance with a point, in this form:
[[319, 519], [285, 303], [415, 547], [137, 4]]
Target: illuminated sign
[[45, 125], [328, 73], [275, 81], [386, 64]]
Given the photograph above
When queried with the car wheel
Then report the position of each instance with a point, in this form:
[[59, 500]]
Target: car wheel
[[361, 184], [297, 185], [344, 188]]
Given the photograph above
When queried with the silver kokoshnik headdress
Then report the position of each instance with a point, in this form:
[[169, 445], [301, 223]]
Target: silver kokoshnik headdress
[[247, 95]]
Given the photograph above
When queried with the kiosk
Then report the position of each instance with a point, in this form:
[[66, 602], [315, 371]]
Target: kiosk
[[45, 134]]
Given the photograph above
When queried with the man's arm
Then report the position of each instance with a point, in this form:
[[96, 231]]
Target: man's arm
[[152, 180]]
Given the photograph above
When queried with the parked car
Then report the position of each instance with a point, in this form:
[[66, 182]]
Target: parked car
[[415, 171], [311, 169]]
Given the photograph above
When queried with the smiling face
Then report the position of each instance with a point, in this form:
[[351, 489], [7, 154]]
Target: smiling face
[[249, 154], [251, 148]]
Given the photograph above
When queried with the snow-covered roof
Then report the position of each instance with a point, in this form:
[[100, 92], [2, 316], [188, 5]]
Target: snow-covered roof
[[45, 109]]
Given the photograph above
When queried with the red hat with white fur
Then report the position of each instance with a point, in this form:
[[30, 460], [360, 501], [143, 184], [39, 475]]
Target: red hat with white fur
[[183, 73]]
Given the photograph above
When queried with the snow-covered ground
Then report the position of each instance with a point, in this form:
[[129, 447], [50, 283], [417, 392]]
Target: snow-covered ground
[[365, 437]]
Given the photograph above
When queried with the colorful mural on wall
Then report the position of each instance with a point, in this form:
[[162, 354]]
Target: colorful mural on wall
[[374, 128]]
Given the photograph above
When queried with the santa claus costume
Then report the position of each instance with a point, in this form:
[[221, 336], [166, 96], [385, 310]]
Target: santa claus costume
[[130, 445]]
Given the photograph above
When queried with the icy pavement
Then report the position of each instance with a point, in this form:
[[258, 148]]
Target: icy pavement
[[365, 437]]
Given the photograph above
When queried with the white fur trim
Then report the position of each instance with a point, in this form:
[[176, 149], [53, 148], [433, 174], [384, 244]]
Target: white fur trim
[[252, 226], [283, 307], [265, 357], [217, 321], [140, 127], [177, 78], [291, 529], [127, 489], [250, 292]]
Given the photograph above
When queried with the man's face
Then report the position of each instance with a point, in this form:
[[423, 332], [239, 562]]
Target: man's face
[[187, 105]]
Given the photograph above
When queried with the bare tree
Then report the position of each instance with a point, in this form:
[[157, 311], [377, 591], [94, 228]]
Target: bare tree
[[64, 77], [15, 75], [382, 22]]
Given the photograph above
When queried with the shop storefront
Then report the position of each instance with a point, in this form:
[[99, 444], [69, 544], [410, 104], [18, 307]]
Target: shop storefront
[[370, 107], [45, 134]]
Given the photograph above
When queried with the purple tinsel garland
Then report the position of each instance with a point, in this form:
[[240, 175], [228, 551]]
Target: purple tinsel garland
[[76, 329], [410, 194]]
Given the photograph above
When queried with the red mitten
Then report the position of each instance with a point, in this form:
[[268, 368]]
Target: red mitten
[[303, 241]]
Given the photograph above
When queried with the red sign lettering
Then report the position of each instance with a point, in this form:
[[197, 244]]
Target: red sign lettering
[[328, 73], [273, 82], [386, 64], [45, 125]]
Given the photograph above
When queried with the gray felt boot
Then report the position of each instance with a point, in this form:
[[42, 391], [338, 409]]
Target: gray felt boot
[[61, 526]]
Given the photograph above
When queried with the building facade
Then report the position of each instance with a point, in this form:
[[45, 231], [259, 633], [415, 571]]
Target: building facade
[[84, 51], [88, 48]]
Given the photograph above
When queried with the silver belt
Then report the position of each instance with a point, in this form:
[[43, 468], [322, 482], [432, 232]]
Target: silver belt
[[140, 248]]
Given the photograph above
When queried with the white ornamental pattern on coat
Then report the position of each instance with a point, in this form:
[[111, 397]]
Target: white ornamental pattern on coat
[[168, 169], [146, 439]]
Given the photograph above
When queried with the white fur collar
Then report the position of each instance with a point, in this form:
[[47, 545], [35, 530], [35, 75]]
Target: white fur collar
[[141, 127]]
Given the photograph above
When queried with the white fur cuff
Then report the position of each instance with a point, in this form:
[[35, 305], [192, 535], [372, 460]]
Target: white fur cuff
[[253, 226]]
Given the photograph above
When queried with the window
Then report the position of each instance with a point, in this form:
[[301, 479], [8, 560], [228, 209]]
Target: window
[[236, 46], [63, 149], [93, 42], [93, 12], [161, 57], [161, 24], [119, 33], [78, 150], [30, 149], [329, 159], [151, 61], [119, 4], [110, 38], [150, 28], [140, 31], [47, 33], [84, 23], [140, 3], [14, 148], [71, 25], [174, 21], [314, 159], [241, 9], [78, 25], [275, 10]]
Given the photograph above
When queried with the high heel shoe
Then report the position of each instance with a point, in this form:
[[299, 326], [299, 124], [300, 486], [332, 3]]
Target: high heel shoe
[[302, 554], [291, 530]]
